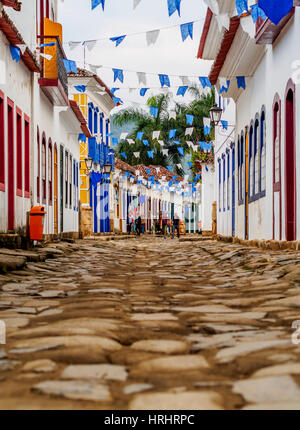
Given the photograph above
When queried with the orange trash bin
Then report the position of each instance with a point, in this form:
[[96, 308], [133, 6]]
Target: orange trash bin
[[36, 222]]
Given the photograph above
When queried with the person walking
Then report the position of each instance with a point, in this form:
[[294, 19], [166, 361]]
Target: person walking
[[138, 225], [175, 226]]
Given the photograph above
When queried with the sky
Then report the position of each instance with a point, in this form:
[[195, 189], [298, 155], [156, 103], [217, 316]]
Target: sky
[[168, 56]]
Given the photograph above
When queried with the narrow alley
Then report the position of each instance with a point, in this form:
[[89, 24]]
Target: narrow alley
[[151, 324]]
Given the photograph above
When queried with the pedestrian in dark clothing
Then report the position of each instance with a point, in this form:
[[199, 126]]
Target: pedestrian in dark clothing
[[139, 225], [175, 226]]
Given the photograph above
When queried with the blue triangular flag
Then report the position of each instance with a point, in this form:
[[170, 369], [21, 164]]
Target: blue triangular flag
[[150, 154], [205, 82], [146, 143], [180, 150], [257, 12], [118, 74], [186, 30], [241, 82], [15, 53], [224, 125], [176, 142], [189, 119], [82, 137], [118, 39], [143, 91], [241, 6], [80, 88], [223, 88], [114, 141], [123, 154], [172, 134], [182, 90], [139, 135], [154, 111], [276, 9], [113, 90], [164, 80], [117, 100], [174, 5], [169, 168], [96, 3]]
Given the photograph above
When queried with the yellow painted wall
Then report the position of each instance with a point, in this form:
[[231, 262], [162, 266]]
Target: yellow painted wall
[[50, 66], [81, 99]]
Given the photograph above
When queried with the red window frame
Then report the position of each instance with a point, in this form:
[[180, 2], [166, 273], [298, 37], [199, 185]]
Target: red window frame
[[2, 144], [38, 187], [50, 171], [26, 156], [19, 151]]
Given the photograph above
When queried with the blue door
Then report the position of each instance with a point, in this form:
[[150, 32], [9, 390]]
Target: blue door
[[95, 209], [233, 191]]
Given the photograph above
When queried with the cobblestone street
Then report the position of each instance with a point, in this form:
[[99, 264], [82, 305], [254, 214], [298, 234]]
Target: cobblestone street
[[151, 324]]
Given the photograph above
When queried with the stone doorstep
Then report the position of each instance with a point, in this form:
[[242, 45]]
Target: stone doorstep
[[273, 245]]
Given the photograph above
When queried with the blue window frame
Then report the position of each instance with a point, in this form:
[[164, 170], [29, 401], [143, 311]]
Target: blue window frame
[[95, 122], [251, 162], [256, 152], [101, 126], [241, 172], [262, 161], [107, 132], [220, 181], [91, 119], [224, 182], [228, 179]]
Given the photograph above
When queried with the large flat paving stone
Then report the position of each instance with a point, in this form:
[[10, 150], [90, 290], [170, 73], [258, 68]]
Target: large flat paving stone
[[174, 363], [163, 346], [95, 371]]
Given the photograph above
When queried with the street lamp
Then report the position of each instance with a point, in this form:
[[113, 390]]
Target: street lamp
[[107, 168], [88, 163], [215, 114]]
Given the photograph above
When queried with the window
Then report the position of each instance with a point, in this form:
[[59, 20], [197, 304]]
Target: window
[[66, 177], [251, 164], [220, 181], [107, 132], [26, 156], [70, 181], [44, 169], [38, 169], [50, 172], [262, 175], [2, 144], [19, 153], [91, 119], [241, 173], [228, 181], [95, 122], [256, 157], [224, 182]]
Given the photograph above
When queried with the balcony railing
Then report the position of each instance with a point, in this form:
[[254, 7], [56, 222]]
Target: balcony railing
[[54, 77]]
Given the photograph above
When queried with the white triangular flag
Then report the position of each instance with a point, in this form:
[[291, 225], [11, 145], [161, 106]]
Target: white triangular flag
[[155, 135], [213, 6], [142, 78], [131, 90], [130, 141], [248, 26], [179, 166], [91, 44], [152, 36], [94, 68], [136, 3], [189, 143], [223, 21], [223, 81], [185, 80], [172, 114], [206, 122], [131, 180], [73, 45], [123, 136], [136, 154], [22, 47], [189, 131], [161, 142], [47, 56], [165, 152]]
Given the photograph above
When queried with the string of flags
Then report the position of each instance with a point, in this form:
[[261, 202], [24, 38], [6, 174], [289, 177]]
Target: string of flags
[[173, 5]]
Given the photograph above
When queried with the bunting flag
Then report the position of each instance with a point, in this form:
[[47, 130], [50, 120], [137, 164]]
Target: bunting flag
[[161, 142], [146, 143], [142, 78], [80, 88], [15, 53], [155, 135], [182, 90], [206, 130], [164, 80], [152, 36], [143, 91], [117, 100], [189, 131], [82, 137], [276, 9], [113, 90], [123, 136], [205, 82], [123, 155], [241, 82], [180, 150], [187, 30], [131, 141], [257, 12], [114, 141], [118, 40], [172, 115], [140, 135], [172, 134], [150, 154], [154, 111], [70, 66], [96, 3], [189, 119], [118, 75], [241, 6], [47, 44], [136, 154], [136, 3], [165, 152], [173, 6], [223, 20], [224, 85], [224, 125]]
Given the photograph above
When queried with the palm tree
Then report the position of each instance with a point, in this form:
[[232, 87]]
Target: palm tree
[[199, 107]]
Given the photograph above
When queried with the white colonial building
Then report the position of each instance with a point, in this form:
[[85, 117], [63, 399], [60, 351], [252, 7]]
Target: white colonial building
[[257, 179]]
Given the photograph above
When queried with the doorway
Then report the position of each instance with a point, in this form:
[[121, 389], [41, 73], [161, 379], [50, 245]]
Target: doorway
[[246, 185], [11, 165], [55, 192]]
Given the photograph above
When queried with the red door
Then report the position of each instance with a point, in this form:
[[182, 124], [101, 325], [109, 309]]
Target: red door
[[290, 165], [11, 165]]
